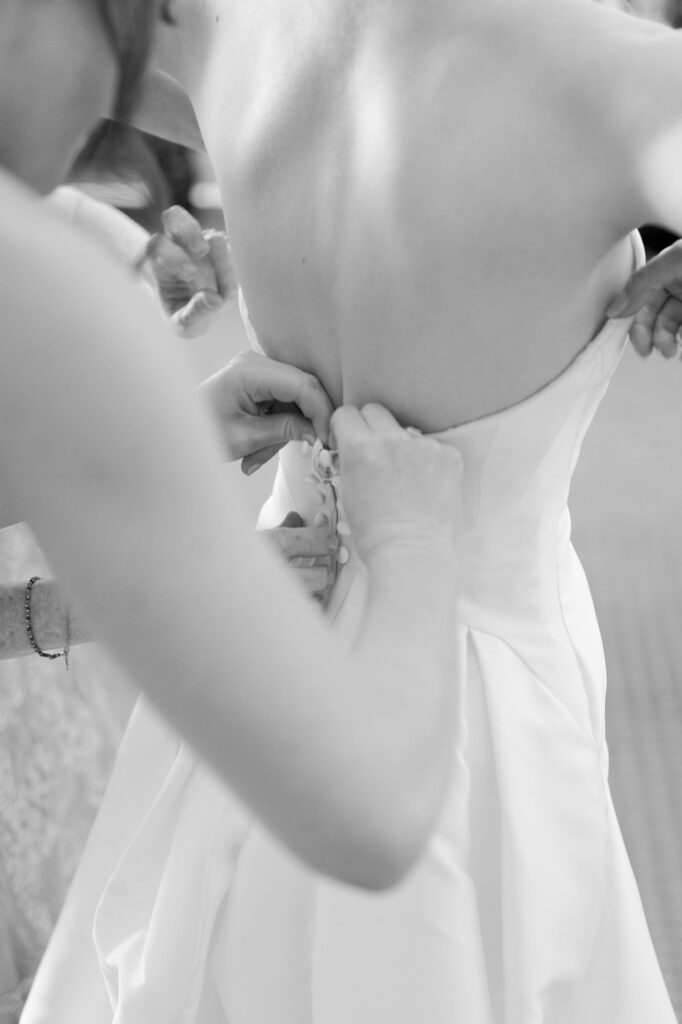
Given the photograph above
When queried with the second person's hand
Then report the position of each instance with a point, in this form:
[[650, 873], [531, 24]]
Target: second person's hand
[[260, 405], [310, 552], [397, 486], [192, 271], [653, 295]]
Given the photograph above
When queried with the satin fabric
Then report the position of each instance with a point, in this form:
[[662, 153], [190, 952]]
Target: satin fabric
[[523, 908]]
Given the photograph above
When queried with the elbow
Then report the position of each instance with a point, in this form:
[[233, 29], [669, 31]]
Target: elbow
[[384, 851], [385, 860], [404, 819], [375, 828], [383, 869]]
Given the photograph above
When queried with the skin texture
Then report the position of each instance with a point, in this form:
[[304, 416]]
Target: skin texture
[[420, 194]]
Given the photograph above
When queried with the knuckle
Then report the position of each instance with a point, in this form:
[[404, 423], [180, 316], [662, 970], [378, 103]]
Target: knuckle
[[310, 383]]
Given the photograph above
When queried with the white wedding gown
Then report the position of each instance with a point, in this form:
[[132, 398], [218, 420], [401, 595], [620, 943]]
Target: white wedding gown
[[522, 910]]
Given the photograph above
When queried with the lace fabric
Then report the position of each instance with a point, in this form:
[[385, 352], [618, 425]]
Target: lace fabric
[[59, 732]]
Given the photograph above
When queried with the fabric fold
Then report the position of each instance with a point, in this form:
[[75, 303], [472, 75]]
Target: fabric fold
[[157, 914], [554, 836]]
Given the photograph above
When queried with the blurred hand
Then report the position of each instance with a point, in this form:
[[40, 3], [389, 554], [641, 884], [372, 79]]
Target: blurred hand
[[654, 294], [192, 270], [260, 405], [310, 552], [396, 486]]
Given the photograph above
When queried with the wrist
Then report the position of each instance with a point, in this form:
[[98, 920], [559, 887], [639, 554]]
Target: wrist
[[424, 548], [52, 619], [426, 567]]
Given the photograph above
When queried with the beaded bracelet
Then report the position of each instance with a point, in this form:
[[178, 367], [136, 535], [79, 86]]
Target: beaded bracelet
[[51, 656]]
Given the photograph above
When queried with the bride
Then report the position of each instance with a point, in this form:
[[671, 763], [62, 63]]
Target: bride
[[430, 205]]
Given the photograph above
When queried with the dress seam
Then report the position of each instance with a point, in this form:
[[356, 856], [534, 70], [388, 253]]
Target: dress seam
[[598, 368]]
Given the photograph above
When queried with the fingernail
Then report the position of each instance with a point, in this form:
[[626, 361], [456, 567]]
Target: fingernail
[[310, 438], [617, 305], [253, 468]]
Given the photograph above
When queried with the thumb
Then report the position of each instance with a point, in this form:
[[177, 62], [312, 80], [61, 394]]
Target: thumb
[[267, 434], [253, 462]]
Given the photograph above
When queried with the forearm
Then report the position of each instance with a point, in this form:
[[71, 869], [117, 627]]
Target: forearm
[[50, 614], [407, 641], [387, 757]]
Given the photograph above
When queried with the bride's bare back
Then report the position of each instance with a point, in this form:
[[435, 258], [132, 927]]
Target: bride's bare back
[[428, 202]]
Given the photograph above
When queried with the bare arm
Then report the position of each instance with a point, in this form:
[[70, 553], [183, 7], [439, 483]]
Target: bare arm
[[50, 612], [345, 756]]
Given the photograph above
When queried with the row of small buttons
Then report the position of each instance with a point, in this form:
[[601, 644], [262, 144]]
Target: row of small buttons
[[325, 480]]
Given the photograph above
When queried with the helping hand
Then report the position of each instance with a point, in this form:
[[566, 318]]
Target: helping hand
[[309, 551], [654, 293], [397, 487], [192, 271], [261, 405]]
